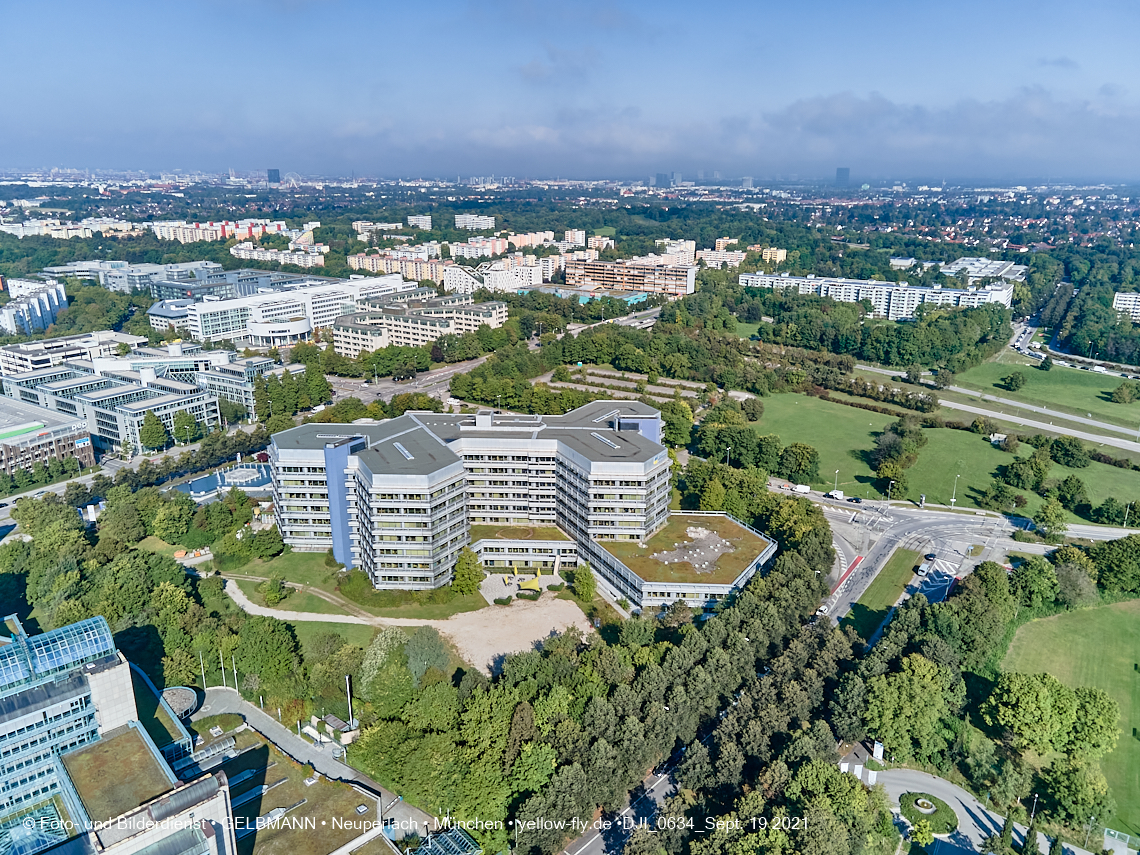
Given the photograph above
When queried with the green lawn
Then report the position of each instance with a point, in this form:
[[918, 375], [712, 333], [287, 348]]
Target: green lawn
[[298, 601], [1066, 389], [308, 568], [747, 330], [1095, 647], [154, 544], [841, 434], [876, 602], [353, 633], [949, 452]]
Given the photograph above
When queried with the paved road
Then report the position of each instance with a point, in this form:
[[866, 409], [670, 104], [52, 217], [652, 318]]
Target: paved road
[[656, 788], [975, 822], [1019, 405], [220, 701]]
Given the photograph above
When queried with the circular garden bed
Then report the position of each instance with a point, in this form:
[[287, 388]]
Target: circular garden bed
[[916, 806]]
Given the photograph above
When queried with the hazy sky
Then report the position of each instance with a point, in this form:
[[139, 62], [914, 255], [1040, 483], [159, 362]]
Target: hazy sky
[[958, 90]]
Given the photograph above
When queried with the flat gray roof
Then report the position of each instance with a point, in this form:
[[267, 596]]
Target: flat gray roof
[[15, 413]]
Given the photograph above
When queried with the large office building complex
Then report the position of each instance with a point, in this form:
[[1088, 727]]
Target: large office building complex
[[411, 319], [287, 315], [894, 300], [399, 499], [123, 277], [112, 402], [33, 355], [647, 274], [79, 774], [31, 435]]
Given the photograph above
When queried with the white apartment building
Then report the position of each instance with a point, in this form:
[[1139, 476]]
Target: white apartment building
[[399, 499], [479, 246], [409, 268], [420, 222], [1127, 302], [413, 319], [35, 309], [474, 222], [678, 251], [724, 243], [285, 317], [184, 232], [651, 274], [310, 256], [495, 276], [367, 230], [575, 237], [718, 258], [600, 242], [893, 300], [50, 228]]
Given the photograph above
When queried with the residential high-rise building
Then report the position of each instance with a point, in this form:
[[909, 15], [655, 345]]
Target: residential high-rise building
[[576, 237], [420, 222], [474, 222], [412, 319], [746, 182], [662, 179], [273, 176], [842, 176], [893, 300], [34, 306], [635, 274]]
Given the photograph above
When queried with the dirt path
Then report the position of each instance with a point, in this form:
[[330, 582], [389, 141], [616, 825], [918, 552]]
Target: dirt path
[[483, 637]]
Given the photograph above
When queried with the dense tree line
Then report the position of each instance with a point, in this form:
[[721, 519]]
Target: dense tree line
[[954, 339]]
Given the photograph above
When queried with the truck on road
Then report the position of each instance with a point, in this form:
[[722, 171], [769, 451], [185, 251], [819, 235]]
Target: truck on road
[[835, 494]]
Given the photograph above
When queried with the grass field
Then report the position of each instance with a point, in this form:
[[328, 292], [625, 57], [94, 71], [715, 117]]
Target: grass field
[[353, 633], [1095, 647], [298, 601], [747, 330], [841, 434], [1067, 389], [154, 544], [875, 604]]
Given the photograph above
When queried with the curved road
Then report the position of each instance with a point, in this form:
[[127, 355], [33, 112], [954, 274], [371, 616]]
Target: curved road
[[975, 822]]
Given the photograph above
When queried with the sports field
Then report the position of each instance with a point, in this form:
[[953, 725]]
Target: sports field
[[842, 435], [875, 604], [1068, 390], [1095, 647]]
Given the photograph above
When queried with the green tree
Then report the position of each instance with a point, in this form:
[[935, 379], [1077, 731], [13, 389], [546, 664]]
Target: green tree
[[1125, 393], [799, 462], [468, 573], [267, 648], [905, 709], [1069, 451], [319, 389], [1013, 381], [152, 432], [276, 395], [1046, 364], [922, 833], [425, 649], [172, 522], [232, 412], [261, 405], [1050, 520], [289, 392], [1078, 790], [1034, 582], [186, 427], [585, 586], [713, 496], [1072, 493], [1036, 709], [1096, 724]]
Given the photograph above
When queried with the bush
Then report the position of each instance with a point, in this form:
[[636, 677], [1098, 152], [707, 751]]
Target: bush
[[529, 595], [557, 587], [502, 601], [942, 821], [1025, 537]]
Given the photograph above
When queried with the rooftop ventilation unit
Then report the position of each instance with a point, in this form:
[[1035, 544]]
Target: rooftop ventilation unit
[[407, 454], [601, 438], [608, 415]]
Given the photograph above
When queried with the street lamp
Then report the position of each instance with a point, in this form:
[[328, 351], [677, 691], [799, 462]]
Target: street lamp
[[890, 487], [1126, 510], [954, 498], [187, 429], [728, 456], [835, 486]]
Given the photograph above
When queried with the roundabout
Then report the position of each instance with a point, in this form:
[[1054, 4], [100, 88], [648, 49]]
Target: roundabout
[[916, 806]]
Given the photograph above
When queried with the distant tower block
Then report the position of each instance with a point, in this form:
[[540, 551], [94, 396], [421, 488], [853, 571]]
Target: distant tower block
[[842, 176], [273, 176]]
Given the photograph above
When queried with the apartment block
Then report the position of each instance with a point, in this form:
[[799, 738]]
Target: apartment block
[[398, 499], [69, 726], [412, 319], [113, 403], [420, 222], [477, 247], [600, 243], [474, 222], [678, 251], [184, 232], [531, 239], [1127, 302], [32, 355], [493, 276], [893, 300], [983, 268], [575, 237], [724, 243], [34, 308], [718, 258], [636, 274], [416, 269], [307, 256], [367, 230]]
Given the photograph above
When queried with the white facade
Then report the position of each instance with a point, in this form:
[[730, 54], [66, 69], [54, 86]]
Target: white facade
[[184, 232], [1129, 303], [35, 310], [479, 246], [718, 258], [474, 222], [288, 316], [980, 268], [420, 222], [893, 300], [576, 237], [308, 256]]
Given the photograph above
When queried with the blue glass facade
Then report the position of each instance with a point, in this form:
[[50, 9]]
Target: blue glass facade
[[336, 461]]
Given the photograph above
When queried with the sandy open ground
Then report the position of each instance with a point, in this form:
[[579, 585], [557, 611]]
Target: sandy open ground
[[482, 637]]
